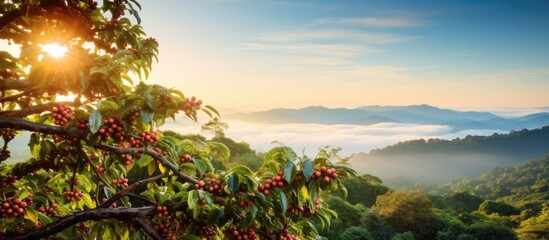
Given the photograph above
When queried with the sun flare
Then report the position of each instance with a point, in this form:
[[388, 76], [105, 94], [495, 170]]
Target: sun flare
[[55, 50]]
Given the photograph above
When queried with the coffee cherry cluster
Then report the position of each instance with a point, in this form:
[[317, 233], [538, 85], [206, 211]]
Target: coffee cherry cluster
[[121, 182], [62, 114], [73, 196], [82, 126], [163, 223], [49, 209], [7, 134], [100, 167], [185, 158], [190, 106], [277, 181], [14, 207], [211, 185], [82, 228], [245, 203], [5, 153], [8, 181], [150, 138], [284, 235], [235, 233], [327, 174], [159, 151], [207, 233], [113, 128], [132, 115]]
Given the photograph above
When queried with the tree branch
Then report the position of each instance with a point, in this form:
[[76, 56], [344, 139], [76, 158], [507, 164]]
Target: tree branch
[[87, 158], [16, 96], [13, 84], [97, 214], [152, 153], [147, 228], [31, 110], [128, 189], [20, 124]]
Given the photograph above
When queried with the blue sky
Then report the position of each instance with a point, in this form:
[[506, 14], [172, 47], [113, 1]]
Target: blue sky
[[252, 55]]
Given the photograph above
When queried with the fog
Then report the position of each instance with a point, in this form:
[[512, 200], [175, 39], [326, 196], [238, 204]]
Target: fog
[[311, 137]]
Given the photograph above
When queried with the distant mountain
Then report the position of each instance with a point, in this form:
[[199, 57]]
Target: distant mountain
[[414, 114], [436, 161]]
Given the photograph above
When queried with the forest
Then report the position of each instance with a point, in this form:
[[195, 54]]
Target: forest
[[501, 203]]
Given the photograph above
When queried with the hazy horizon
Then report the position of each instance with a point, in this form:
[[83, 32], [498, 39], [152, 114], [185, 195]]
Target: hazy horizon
[[352, 138]]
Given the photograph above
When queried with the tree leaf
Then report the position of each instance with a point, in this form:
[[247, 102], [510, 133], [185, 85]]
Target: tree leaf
[[283, 202], [146, 116], [95, 121], [289, 171], [200, 165], [242, 170], [31, 214], [308, 169], [232, 183], [43, 218]]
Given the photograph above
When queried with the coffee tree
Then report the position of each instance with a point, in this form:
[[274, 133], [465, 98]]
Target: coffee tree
[[100, 168]]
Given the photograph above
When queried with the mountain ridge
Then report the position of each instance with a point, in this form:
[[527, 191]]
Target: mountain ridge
[[412, 114]]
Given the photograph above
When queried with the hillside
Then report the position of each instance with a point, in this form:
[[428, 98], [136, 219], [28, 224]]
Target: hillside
[[525, 183], [438, 161], [413, 114]]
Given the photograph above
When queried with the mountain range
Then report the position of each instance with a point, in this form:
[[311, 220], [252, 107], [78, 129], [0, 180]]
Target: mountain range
[[413, 114], [435, 161]]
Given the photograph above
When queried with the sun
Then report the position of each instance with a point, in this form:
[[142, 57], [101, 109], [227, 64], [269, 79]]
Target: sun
[[55, 50]]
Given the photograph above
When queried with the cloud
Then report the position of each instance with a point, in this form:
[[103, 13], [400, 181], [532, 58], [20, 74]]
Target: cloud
[[311, 137], [322, 49], [364, 37], [373, 22]]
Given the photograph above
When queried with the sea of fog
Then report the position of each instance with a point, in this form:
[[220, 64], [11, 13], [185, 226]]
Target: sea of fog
[[310, 137]]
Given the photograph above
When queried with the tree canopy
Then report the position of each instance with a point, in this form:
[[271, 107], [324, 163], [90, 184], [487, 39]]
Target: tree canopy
[[100, 168]]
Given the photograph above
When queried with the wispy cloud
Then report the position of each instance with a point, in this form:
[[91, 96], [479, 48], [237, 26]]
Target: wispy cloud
[[378, 22], [324, 49], [365, 37], [352, 138]]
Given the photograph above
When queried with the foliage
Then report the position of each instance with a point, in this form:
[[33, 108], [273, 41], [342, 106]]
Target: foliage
[[348, 216], [216, 126], [502, 209], [403, 211], [364, 190], [526, 183], [356, 233], [403, 236], [99, 166], [529, 142]]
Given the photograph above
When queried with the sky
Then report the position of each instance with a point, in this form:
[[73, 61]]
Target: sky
[[256, 55]]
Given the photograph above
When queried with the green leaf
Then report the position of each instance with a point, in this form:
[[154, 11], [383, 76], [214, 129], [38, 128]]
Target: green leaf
[[95, 121], [242, 170], [308, 169], [43, 218], [254, 210], [200, 165], [147, 116], [221, 149], [88, 201], [212, 109], [289, 171], [290, 154], [135, 13], [232, 183], [283, 202], [31, 214]]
